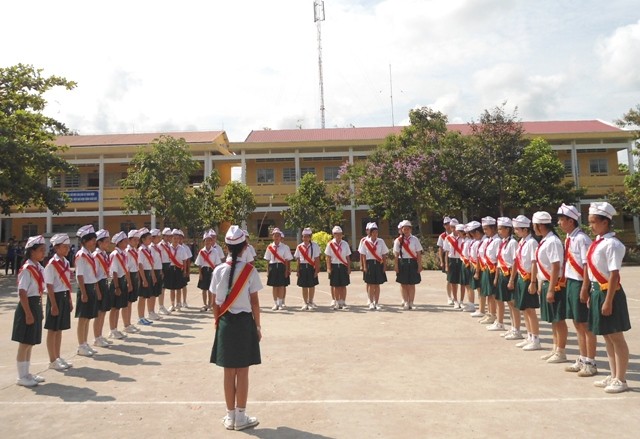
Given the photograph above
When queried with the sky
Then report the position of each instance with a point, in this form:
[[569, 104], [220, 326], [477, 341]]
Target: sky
[[248, 65]]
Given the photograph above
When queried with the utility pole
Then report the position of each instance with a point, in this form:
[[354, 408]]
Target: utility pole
[[318, 17]]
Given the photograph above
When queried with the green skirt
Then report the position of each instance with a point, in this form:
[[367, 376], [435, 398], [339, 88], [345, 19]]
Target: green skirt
[[618, 321], [453, 276], [28, 334], [473, 283], [523, 300], [88, 309], [236, 342], [63, 320], [486, 283], [556, 311], [576, 310], [503, 294]]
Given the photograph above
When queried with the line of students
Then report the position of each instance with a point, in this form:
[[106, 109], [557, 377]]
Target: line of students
[[579, 280], [135, 271]]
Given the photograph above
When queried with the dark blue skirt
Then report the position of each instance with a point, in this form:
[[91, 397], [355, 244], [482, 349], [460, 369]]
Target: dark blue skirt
[[28, 334]]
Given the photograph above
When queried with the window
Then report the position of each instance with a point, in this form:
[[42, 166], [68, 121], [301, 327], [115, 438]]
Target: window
[[598, 166], [72, 180], [304, 171], [56, 182], [266, 176], [29, 230], [93, 179], [196, 179], [263, 227], [125, 227], [289, 175], [568, 168], [331, 173]]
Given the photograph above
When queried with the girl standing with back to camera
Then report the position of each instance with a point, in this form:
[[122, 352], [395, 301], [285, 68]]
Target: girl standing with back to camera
[[236, 310]]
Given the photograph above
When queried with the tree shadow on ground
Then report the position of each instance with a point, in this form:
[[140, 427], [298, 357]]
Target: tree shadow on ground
[[93, 374], [70, 393], [283, 433]]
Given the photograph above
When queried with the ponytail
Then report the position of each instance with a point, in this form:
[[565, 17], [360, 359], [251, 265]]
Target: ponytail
[[234, 251]]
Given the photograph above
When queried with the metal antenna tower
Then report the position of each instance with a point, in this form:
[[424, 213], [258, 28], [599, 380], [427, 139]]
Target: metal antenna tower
[[318, 17]]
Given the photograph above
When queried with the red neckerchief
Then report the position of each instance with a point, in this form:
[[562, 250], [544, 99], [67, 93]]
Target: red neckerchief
[[305, 254], [337, 252], [372, 249], [35, 274], [173, 256], [236, 288], [487, 261], [205, 256], [62, 270], [405, 245], [91, 261], [272, 248]]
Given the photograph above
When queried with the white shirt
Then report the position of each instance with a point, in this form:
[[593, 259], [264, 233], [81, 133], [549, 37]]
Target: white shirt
[[101, 257], [491, 249], [187, 251], [507, 251], [607, 256], [27, 282], [379, 246], [549, 252], [343, 248], [282, 249], [52, 276], [179, 254], [414, 245], [86, 266], [118, 263], [313, 250], [220, 286], [211, 254], [220, 252], [441, 239], [133, 259], [145, 257], [248, 255], [157, 253], [449, 248], [578, 247], [164, 247]]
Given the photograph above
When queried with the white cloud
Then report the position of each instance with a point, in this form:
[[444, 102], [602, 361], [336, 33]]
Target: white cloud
[[619, 55]]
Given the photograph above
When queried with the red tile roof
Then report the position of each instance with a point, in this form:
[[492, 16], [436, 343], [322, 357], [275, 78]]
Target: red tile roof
[[375, 133], [136, 139]]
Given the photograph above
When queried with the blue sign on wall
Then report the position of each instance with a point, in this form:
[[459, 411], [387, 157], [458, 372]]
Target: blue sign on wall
[[83, 196]]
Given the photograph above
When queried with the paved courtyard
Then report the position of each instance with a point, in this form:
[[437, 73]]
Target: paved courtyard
[[432, 372]]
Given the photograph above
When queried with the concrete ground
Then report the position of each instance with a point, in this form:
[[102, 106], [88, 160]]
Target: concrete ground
[[432, 372]]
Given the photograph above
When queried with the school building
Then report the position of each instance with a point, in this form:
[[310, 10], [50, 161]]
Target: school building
[[271, 163]]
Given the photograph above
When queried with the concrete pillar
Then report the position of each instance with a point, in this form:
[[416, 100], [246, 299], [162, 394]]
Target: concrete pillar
[[101, 192]]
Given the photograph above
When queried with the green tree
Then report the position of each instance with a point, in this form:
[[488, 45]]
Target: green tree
[[203, 205], [27, 141], [311, 205], [158, 179], [237, 202], [629, 199]]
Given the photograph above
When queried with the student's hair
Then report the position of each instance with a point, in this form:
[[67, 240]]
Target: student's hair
[[607, 219], [144, 236], [30, 250], [234, 251], [88, 237], [550, 228]]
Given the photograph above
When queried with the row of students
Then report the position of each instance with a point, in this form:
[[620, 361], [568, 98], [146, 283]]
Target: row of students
[[577, 280]]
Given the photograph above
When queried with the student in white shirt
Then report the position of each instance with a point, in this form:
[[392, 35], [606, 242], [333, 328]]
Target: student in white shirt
[[279, 256], [308, 257], [374, 251], [206, 261], [338, 267], [88, 290], [407, 250], [104, 305]]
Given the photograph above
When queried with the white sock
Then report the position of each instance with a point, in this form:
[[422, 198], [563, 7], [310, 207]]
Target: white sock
[[240, 413], [231, 413], [23, 369]]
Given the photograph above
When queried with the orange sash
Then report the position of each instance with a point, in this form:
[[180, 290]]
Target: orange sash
[[337, 252], [207, 259], [91, 261], [544, 272], [501, 262], [454, 243], [603, 281], [236, 288], [305, 254], [174, 260], [62, 272], [405, 246], [372, 249], [103, 262], [275, 254], [36, 275], [487, 262]]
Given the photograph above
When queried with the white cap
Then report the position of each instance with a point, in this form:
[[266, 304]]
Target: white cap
[[101, 234], [368, 226], [446, 220], [155, 232], [85, 230], [60, 238], [276, 231], [373, 226], [454, 222], [602, 209], [167, 231], [460, 227], [246, 233], [118, 237], [474, 225], [234, 235], [307, 231], [142, 231], [132, 234], [213, 233], [541, 217], [503, 221], [208, 234], [488, 221], [177, 232], [521, 221], [569, 211], [404, 223], [336, 229], [34, 240]]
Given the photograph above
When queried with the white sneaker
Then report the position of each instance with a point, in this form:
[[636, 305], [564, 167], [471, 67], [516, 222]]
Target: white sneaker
[[450, 301], [154, 316], [57, 365], [66, 363], [523, 343], [37, 378], [131, 329], [313, 305], [274, 307], [547, 355], [283, 306], [84, 351], [372, 306], [185, 306], [406, 306], [532, 346], [245, 422], [456, 305], [100, 343], [616, 386], [588, 370], [604, 382], [27, 381], [90, 348], [505, 333], [477, 314], [496, 326], [228, 422], [557, 357], [514, 335], [115, 334], [344, 306], [378, 307], [305, 307], [469, 307], [178, 306], [164, 311], [171, 309], [109, 342]]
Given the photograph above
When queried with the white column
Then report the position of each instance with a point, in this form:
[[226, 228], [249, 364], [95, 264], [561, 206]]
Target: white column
[[575, 166], [153, 220], [352, 207], [296, 160], [207, 164], [101, 192], [243, 167], [49, 227]]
